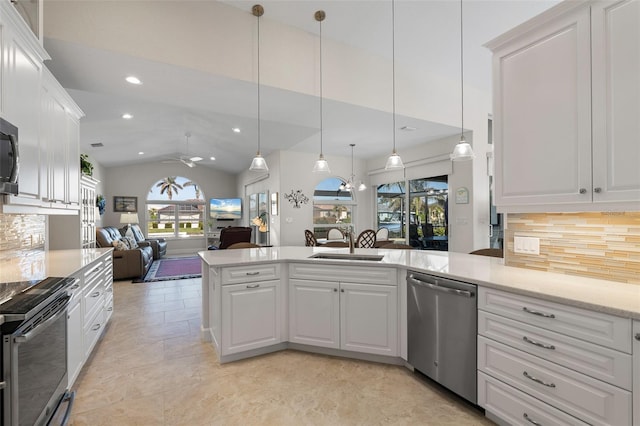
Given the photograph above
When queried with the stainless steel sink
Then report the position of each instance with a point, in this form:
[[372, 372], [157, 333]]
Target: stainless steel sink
[[348, 256]]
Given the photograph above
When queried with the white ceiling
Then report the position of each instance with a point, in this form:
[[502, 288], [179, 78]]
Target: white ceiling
[[174, 100]]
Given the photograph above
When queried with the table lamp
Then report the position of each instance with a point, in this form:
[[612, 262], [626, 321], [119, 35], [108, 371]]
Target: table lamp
[[128, 219]]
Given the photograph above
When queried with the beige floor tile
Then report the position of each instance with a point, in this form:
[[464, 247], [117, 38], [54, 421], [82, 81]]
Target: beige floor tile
[[151, 368]]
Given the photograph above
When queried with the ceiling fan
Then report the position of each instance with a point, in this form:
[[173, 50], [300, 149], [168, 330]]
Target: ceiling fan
[[187, 160]]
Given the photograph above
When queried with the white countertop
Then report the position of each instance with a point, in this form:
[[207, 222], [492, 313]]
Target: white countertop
[[599, 295], [52, 263]]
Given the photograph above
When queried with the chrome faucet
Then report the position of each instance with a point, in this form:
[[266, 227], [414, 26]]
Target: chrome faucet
[[349, 235]]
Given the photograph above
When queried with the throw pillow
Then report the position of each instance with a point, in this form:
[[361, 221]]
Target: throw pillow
[[131, 242], [120, 245], [129, 233]]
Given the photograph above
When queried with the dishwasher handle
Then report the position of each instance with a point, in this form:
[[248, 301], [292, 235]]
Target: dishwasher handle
[[440, 287]]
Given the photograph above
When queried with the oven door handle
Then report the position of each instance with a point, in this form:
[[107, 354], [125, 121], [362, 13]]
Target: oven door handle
[[68, 396], [62, 309]]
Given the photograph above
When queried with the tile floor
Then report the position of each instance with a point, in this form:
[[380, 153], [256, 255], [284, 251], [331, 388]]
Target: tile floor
[[151, 368]]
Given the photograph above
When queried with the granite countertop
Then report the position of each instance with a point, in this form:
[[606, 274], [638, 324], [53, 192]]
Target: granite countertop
[[599, 295], [52, 263]]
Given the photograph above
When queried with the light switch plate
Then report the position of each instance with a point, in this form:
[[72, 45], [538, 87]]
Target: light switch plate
[[526, 245]]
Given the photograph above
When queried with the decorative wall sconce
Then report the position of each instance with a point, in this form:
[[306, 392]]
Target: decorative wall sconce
[[297, 198]]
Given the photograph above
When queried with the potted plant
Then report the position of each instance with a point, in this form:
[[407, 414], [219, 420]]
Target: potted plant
[[85, 165]]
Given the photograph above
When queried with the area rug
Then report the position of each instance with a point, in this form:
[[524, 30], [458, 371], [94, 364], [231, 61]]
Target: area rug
[[177, 268]]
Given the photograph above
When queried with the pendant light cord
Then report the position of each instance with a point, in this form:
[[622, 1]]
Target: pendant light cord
[[258, 84], [461, 77], [393, 69], [320, 24]]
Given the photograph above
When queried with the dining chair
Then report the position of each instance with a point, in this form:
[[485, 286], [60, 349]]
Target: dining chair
[[310, 239], [382, 234], [398, 246], [366, 239], [335, 234]]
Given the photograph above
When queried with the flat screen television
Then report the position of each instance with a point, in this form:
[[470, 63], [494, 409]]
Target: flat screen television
[[225, 208]]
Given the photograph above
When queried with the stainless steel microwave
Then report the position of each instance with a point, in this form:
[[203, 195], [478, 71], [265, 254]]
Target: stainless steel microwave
[[9, 163]]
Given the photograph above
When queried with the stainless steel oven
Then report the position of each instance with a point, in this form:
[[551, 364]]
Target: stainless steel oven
[[34, 353]]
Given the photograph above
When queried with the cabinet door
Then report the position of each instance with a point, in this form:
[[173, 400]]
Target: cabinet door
[[250, 316], [21, 83], [616, 100], [369, 318], [72, 174], [314, 314], [636, 376], [75, 352], [542, 101]]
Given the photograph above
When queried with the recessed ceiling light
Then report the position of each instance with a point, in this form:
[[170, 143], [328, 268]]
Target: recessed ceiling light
[[212, 158], [236, 129], [140, 153], [196, 158], [127, 116], [133, 80]]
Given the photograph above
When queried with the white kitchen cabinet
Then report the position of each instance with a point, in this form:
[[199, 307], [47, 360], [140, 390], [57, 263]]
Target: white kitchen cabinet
[[636, 373], [75, 334], [334, 313], [552, 358], [314, 313], [250, 316], [76, 231], [553, 74], [20, 97]]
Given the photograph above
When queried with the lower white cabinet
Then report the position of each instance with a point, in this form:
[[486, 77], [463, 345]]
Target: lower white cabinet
[[348, 316], [250, 316], [75, 350], [636, 373]]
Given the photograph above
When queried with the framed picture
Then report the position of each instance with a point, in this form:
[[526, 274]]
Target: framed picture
[[125, 204]]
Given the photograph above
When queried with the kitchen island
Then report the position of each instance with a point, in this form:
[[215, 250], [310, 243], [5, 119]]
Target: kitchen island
[[261, 300]]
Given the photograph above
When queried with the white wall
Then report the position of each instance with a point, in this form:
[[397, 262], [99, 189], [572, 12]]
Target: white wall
[[135, 181]]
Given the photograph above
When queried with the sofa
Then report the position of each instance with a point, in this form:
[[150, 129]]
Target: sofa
[[127, 263], [158, 245]]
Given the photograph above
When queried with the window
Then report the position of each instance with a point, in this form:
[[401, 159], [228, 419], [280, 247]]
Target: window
[[428, 204], [391, 209], [175, 208], [332, 207]]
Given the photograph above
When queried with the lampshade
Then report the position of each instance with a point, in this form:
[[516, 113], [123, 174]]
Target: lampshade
[[362, 186], [129, 218], [321, 165], [394, 161], [462, 151], [258, 164]]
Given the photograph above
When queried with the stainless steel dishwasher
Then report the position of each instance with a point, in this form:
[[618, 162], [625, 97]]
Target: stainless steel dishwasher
[[442, 328]]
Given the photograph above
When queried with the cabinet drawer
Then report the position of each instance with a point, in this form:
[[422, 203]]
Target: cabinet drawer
[[95, 272], [249, 273], [352, 274], [108, 309], [596, 361], [92, 331], [93, 298], [515, 407], [588, 399], [595, 327]]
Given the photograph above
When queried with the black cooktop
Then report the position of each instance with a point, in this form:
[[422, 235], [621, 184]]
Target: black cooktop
[[25, 297]]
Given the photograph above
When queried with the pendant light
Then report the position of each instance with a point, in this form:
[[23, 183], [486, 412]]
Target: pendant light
[[258, 164], [462, 150], [349, 185], [321, 165], [394, 161]]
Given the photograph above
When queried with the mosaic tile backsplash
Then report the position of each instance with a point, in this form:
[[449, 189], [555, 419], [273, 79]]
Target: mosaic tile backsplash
[[602, 245], [21, 234]]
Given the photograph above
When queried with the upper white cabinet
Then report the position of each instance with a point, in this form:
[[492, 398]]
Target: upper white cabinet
[[47, 120], [566, 109]]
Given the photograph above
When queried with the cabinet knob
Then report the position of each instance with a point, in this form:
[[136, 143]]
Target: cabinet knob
[[342, 290], [583, 191], [638, 336], [335, 290], [597, 190]]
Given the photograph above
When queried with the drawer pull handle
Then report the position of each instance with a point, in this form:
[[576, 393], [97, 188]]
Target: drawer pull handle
[[253, 285], [535, 379], [95, 327], [74, 287], [542, 345], [110, 308], [540, 314], [530, 420], [637, 336], [253, 273], [96, 294]]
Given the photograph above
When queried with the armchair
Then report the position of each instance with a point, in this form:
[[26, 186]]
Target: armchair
[[131, 263], [231, 235], [158, 245]]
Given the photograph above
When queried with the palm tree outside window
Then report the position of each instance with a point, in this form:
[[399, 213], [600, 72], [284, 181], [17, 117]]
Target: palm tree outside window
[[175, 208]]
